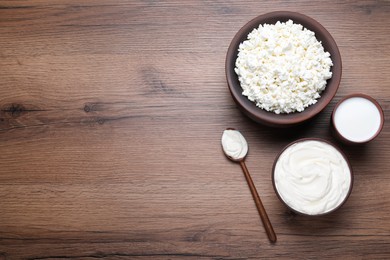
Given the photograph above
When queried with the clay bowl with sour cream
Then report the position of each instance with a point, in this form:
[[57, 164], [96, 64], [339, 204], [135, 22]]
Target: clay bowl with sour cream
[[312, 177], [270, 118]]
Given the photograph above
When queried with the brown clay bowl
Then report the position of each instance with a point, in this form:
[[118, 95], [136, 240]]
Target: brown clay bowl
[[269, 118], [295, 210]]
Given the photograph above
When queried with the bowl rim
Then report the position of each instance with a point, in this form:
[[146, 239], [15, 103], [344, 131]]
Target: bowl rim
[[320, 140], [365, 96], [270, 118]]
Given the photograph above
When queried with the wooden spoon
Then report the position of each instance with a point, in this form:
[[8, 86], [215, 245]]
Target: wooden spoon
[[263, 214]]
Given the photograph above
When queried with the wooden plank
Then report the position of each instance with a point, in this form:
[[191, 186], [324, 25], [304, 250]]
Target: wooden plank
[[111, 115]]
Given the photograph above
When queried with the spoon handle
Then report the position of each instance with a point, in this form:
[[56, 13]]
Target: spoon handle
[[263, 214]]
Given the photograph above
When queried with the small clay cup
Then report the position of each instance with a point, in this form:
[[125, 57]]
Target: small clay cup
[[336, 133]]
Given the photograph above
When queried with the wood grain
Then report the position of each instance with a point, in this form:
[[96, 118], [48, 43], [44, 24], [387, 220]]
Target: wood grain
[[111, 114]]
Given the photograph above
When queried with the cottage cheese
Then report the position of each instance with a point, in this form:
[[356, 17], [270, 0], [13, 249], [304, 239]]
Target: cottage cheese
[[282, 67]]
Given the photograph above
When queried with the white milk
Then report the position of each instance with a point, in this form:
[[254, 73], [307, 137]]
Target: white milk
[[357, 119]]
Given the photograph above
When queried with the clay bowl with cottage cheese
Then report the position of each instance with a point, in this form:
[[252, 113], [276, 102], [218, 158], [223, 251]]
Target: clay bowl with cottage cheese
[[270, 118], [312, 177]]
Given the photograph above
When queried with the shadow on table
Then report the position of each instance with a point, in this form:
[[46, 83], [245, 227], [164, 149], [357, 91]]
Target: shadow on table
[[316, 226], [317, 127]]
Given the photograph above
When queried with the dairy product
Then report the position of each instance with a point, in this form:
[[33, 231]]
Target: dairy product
[[282, 67], [357, 119], [312, 177], [234, 144]]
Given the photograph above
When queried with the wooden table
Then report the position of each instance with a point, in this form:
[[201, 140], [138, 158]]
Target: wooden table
[[110, 126]]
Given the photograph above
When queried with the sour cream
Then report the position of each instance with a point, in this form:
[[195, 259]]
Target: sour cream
[[234, 144], [312, 177]]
